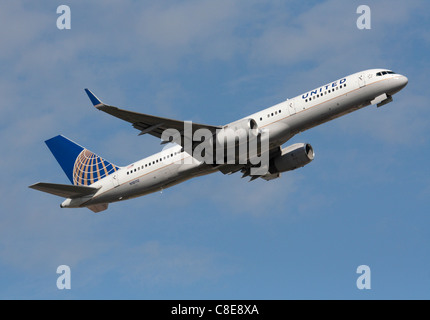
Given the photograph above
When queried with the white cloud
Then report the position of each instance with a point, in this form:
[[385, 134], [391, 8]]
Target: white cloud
[[184, 24], [20, 28], [154, 264], [403, 122]]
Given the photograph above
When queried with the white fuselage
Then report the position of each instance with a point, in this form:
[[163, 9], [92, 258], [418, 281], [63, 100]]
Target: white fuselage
[[284, 120]]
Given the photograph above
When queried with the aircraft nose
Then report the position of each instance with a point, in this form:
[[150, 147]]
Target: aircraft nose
[[403, 81], [398, 83]]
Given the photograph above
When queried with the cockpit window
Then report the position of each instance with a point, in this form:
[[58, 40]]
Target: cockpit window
[[383, 73]]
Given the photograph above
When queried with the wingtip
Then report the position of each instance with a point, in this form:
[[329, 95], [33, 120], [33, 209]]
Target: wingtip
[[94, 100]]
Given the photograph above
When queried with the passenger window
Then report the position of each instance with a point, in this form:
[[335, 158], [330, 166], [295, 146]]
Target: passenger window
[[279, 111]]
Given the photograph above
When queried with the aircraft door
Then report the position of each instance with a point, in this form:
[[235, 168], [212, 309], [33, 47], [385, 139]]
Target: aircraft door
[[115, 180], [291, 107], [361, 80]]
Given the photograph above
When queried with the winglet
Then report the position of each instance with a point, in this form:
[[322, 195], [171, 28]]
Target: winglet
[[95, 101]]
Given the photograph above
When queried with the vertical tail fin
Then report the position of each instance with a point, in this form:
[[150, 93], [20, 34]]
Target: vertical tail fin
[[81, 166]]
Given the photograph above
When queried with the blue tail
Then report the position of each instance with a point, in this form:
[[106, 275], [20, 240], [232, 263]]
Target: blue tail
[[81, 166]]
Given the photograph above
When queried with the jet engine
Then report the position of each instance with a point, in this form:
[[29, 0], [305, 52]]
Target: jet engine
[[295, 156], [237, 132]]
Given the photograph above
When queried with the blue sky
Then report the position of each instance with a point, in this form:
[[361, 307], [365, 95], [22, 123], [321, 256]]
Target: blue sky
[[364, 200]]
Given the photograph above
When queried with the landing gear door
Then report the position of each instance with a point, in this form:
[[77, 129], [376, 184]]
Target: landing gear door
[[361, 80]]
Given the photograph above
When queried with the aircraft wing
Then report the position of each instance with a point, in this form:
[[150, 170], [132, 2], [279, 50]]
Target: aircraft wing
[[64, 190], [146, 123]]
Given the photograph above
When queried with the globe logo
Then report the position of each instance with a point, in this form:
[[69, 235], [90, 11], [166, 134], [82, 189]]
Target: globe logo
[[90, 168]]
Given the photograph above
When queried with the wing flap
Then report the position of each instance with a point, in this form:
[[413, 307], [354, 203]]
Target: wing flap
[[64, 190]]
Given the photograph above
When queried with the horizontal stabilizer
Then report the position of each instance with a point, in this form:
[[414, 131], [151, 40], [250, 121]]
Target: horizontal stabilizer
[[64, 190]]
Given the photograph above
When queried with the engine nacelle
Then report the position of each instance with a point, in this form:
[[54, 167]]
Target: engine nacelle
[[292, 157], [237, 132]]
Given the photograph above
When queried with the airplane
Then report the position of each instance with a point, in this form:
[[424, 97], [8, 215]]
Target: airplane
[[97, 182]]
